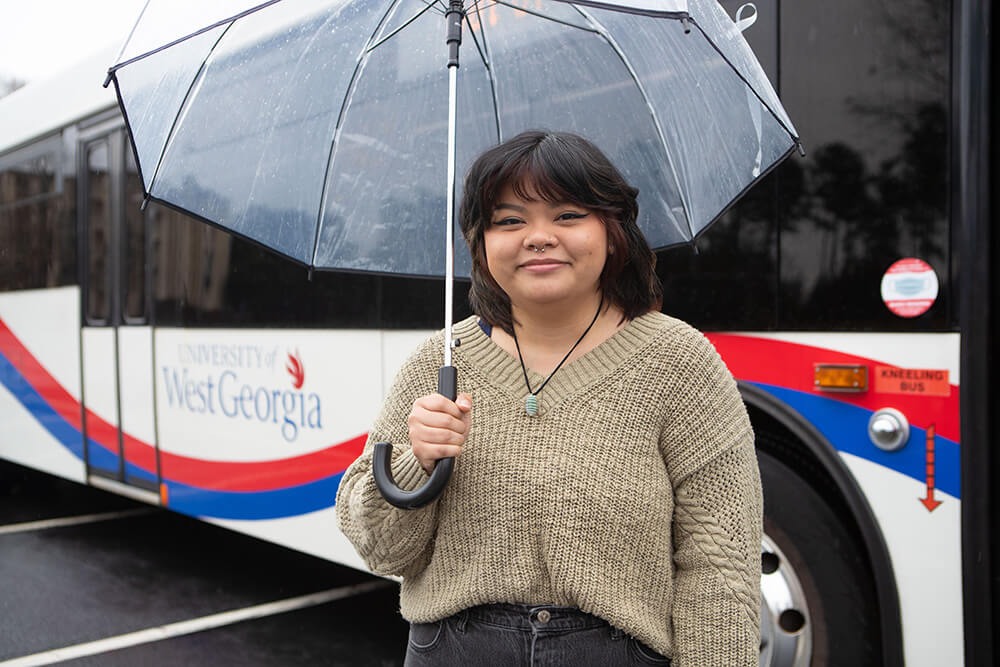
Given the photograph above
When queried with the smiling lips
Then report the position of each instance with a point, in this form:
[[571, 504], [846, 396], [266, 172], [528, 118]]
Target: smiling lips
[[542, 265]]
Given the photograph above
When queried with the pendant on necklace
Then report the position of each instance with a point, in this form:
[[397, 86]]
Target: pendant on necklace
[[531, 405]]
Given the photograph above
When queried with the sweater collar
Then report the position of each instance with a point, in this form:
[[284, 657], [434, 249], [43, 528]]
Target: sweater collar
[[504, 370]]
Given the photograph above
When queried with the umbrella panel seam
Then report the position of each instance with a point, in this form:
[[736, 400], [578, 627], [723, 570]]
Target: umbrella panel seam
[[487, 63], [544, 16], [182, 110], [793, 135], [605, 34], [392, 34], [200, 31], [334, 142]]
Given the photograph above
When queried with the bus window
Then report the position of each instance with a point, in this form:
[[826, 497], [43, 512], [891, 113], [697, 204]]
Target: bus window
[[133, 246], [729, 278], [206, 277], [868, 85], [37, 227], [99, 213]]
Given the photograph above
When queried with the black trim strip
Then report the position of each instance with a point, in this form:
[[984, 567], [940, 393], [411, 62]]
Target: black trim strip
[[878, 552], [978, 250]]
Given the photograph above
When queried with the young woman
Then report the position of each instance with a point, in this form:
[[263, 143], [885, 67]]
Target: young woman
[[605, 507]]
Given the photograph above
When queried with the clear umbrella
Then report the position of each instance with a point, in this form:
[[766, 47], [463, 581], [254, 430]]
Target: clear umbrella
[[323, 129]]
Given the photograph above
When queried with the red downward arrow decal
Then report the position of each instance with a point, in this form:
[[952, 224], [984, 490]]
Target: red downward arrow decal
[[929, 501]]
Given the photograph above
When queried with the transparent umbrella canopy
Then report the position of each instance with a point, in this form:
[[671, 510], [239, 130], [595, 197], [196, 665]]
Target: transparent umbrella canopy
[[328, 131], [318, 128]]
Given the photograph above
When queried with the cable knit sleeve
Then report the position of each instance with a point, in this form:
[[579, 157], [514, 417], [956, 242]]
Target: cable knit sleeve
[[709, 451], [392, 541]]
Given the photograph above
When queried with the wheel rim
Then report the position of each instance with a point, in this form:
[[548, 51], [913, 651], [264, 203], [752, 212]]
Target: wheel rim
[[785, 625]]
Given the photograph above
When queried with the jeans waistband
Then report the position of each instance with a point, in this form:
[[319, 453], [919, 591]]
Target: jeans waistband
[[533, 617]]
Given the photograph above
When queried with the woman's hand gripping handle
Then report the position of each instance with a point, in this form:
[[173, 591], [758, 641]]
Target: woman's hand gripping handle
[[438, 425]]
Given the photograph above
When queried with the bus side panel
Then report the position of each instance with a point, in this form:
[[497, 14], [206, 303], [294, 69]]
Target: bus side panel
[[100, 397], [316, 532], [923, 538], [925, 548], [256, 427], [135, 357], [40, 380]]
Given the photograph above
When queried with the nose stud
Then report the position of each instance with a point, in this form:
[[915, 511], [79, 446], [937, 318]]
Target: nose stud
[[549, 241]]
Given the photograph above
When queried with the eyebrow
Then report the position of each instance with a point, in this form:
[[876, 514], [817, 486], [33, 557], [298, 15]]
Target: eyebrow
[[513, 207], [517, 207]]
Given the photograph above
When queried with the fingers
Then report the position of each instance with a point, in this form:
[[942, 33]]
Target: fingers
[[438, 427]]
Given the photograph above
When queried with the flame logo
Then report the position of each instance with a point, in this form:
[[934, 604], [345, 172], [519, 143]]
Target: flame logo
[[296, 369]]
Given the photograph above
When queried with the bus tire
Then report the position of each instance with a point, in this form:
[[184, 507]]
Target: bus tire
[[818, 605]]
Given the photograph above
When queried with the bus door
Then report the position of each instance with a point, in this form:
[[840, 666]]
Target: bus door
[[117, 334]]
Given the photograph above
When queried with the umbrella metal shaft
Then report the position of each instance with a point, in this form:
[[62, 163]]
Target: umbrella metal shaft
[[454, 40], [449, 254]]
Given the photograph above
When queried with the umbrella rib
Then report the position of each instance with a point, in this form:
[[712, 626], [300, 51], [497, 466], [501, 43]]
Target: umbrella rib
[[550, 18], [183, 108], [649, 105], [334, 141], [795, 137], [489, 69], [215, 25], [392, 34]]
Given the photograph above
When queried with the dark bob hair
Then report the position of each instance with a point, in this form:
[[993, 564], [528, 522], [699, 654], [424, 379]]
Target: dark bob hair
[[559, 167]]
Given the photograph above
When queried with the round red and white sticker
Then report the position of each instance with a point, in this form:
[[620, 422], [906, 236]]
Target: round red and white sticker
[[909, 287]]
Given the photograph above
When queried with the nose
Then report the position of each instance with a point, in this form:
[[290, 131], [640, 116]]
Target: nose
[[538, 237]]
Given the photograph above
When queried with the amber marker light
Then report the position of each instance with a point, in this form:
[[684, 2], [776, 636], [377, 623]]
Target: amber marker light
[[164, 496], [840, 377]]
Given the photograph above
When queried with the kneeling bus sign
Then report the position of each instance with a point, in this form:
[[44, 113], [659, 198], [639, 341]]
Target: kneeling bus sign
[[909, 287]]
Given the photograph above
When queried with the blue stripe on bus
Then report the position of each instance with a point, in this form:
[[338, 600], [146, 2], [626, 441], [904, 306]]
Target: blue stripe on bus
[[67, 434], [846, 427], [207, 503], [255, 505]]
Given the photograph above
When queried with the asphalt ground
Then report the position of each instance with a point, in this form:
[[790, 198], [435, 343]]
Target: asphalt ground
[[123, 583]]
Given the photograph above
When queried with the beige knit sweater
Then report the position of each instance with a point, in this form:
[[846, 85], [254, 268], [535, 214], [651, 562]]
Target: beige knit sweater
[[633, 495]]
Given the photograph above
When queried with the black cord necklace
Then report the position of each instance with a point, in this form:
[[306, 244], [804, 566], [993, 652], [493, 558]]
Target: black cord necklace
[[531, 400]]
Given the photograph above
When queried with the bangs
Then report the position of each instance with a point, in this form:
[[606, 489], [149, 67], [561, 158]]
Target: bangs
[[548, 171]]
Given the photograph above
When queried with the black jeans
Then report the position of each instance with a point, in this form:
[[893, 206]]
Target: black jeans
[[509, 635]]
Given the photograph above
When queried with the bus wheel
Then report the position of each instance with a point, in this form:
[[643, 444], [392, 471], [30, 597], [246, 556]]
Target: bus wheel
[[818, 604]]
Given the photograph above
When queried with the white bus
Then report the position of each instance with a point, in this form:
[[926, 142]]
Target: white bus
[[151, 355]]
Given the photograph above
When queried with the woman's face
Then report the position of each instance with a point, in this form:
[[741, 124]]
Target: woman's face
[[575, 246]]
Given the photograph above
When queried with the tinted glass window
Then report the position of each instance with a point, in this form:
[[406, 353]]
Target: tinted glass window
[[728, 279], [133, 245], [206, 277], [867, 84], [37, 225], [99, 259]]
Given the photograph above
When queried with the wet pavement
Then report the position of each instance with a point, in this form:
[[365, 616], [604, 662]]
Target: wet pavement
[[139, 568]]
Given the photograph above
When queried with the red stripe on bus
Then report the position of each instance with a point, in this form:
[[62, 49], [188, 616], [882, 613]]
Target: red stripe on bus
[[202, 473], [791, 365]]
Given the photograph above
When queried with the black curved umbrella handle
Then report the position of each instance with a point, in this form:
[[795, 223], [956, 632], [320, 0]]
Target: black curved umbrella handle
[[432, 488]]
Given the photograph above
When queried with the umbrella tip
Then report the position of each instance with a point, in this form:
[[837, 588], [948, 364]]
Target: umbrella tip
[[309, 276], [686, 24], [107, 80], [802, 151]]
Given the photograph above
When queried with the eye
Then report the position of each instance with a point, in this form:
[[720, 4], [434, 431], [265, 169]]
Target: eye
[[506, 222], [571, 215]]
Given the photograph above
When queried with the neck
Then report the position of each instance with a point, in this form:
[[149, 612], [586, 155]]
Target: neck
[[556, 326]]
